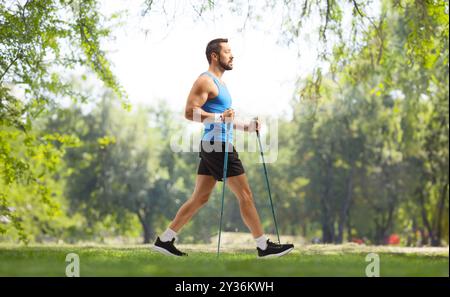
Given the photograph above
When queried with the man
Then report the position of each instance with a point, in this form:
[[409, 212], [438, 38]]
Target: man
[[210, 102]]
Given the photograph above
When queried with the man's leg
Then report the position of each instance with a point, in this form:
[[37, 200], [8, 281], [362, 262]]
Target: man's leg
[[203, 188], [241, 189]]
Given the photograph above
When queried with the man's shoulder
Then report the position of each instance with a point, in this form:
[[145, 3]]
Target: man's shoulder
[[204, 81], [205, 77]]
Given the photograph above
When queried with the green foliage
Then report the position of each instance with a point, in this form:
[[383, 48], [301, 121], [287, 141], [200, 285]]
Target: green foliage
[[40, 40], [374, 122]]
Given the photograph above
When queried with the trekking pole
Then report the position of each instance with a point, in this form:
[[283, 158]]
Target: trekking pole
[[225, 165], [267, 182]]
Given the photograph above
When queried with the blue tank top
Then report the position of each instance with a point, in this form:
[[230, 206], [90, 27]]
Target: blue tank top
[[218, 104]]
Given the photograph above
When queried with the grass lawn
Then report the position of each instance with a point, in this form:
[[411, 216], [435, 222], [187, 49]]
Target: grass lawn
[[49, 260]]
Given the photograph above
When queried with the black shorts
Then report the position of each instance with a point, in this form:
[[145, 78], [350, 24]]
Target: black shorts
[[211, 161]]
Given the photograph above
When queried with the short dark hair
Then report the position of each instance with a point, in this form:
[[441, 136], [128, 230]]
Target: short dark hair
[[214, 47]]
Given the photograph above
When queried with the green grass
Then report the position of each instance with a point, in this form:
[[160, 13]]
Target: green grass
[[141, 261]]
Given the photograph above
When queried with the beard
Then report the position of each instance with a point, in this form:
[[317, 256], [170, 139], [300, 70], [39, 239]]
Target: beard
[[225, 66]]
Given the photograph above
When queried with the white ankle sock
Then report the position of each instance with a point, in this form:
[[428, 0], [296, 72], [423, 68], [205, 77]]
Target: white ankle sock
[[261, 242], [168, 235]]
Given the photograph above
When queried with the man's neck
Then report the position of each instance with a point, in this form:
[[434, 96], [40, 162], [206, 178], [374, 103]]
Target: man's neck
[[216, 70]]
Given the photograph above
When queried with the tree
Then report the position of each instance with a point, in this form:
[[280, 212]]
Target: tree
[[37, 45]]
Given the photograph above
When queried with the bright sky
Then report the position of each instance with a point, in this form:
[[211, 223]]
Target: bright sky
[[164, 63]]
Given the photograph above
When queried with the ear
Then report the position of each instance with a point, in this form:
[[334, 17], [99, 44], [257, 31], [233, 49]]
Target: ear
[[214, 55]]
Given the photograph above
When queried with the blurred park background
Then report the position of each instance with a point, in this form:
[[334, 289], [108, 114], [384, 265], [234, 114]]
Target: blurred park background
[[363, 135]]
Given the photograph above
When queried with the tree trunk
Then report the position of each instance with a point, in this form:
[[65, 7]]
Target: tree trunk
[[379, 237], [424, 237], [343, 217], [349, 227], [147, 234], [390, 218], [423, 212], [327, 233], [327, 221], [383, 225], [304, 229], [146, 228], [436, 239]]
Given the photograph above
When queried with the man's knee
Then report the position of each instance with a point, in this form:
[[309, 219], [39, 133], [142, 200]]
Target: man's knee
[[200, 198]]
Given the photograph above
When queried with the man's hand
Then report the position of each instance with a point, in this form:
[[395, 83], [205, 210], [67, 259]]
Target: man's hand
[[254, 125], [228, 115]]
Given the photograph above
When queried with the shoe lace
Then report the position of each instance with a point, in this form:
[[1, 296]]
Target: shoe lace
[[173, 241], [270, 243], [273, 244]]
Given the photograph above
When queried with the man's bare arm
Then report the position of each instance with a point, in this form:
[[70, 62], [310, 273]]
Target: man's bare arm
[[197, 97]]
